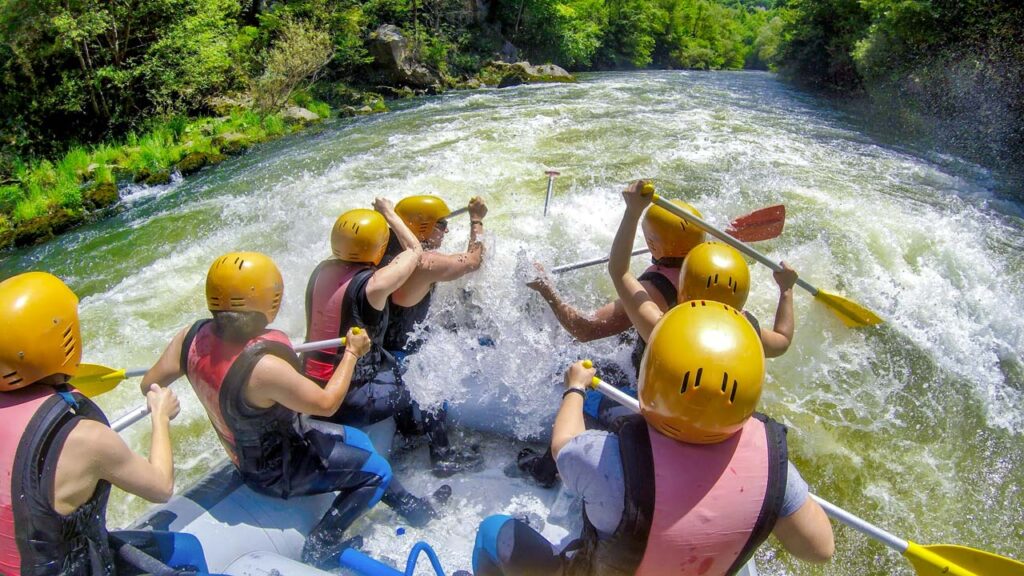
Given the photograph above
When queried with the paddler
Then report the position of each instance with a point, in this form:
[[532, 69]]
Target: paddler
[[426, 216], [669, 239], [691, 485], [711, 271], [248, 379], [59, 456], [353, 289]]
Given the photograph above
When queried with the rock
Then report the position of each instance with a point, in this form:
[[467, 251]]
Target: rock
[[233, 142], [157, 178], [390, 51], [42, 228], [503, 75], [298, 114], [100, 195], [510, 80], [191, 163]]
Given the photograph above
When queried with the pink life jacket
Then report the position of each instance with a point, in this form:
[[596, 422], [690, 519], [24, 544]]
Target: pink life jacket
[[706, 511], [34, 538], [257, 440], [328, 316]]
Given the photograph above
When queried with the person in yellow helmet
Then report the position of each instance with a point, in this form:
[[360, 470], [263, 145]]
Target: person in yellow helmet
[[354, 288], [58, 455], [247, 378], [670, 239], [426, 216], [711, 271], [694, 484]]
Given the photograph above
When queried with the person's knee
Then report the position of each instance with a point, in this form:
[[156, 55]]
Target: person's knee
[[375, 465]]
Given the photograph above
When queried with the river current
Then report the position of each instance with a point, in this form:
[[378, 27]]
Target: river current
[[916, 425]]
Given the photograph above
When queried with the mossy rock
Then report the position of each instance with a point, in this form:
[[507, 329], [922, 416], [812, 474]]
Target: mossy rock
[[231, 142], [192, 163], [100, 195], [42, 228], [142, 175], [158, 178]]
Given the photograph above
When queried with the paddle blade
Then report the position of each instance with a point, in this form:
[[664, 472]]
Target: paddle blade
[[763, 224], [93, 379], [947, 559], [852, 314]]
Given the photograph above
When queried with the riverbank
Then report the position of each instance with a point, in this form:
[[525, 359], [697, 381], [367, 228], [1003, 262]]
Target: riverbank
[[45, 198]]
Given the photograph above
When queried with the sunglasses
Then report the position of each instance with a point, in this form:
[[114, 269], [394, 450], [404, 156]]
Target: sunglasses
[[442, 225]]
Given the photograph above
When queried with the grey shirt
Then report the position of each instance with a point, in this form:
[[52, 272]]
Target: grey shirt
[[591, 468]]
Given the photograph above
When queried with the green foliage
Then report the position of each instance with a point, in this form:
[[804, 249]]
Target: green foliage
[[299, 55]]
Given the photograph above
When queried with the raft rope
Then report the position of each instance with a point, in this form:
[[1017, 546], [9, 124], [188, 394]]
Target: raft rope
[[421, 546]]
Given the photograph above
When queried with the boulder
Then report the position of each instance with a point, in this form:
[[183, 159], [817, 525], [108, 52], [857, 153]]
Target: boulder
[[391, 52], [298, 114], [100, 195], [233, 142], [157, 178], [503, 75]]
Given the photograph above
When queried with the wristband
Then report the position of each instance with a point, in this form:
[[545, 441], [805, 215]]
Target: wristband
[[574, 391], [480, 222]]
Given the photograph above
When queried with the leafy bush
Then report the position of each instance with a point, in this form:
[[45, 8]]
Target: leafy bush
[[300, 53]]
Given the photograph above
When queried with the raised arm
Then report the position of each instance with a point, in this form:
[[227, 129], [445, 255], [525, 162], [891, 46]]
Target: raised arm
[[642, 311], [391, 277], [275, 381], [168, 367], [569, 421], [608, 320], [777, 341]]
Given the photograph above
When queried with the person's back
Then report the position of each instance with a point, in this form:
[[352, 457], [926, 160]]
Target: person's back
[[58, 456], [692, 485], [247, 378]]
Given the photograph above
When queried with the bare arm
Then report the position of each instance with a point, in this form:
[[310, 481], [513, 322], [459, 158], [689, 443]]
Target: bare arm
[[391, 277], [608, 320], [434, 267], [777, 341], [569, 421], [641, 309], [275, 381], [168, 367], [807, 533], [94, 452]]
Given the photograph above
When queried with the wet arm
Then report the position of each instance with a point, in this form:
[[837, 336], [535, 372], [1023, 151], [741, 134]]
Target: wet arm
[[641, 310], [608, 320], [275, 381], [115, 462], [168, 367], [777, 341], [569, 421]]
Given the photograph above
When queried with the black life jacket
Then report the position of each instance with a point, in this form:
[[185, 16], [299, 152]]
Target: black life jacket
[[622, 553], [35, 540], [403, 321], [261, 442], [664, 279]]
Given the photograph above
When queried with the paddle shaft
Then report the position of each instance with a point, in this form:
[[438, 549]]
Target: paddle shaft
[[458, 212], [730, 240], [126, 420], [551, 183], [593, 262], [831, 509]]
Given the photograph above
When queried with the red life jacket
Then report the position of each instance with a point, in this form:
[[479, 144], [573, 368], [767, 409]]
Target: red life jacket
[[259, 441], [34, 538], [330, 314], [700, 509]]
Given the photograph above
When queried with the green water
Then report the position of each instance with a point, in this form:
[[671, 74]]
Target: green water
[[915, 425]]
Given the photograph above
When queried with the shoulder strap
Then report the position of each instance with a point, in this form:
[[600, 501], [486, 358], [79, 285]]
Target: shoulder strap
[[241, 369], [664, 286], [186, 344], [778, 460], [753, 321]]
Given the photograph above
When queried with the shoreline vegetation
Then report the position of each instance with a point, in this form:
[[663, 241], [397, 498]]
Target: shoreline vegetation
[[97, 95]]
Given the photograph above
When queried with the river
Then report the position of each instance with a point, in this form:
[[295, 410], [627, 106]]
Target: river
[[915, 425]]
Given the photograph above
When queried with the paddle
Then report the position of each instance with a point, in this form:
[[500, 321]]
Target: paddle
[[551, 182], [934, 560], [763, 224], [852, 314]]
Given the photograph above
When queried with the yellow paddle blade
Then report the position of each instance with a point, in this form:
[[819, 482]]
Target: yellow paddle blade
[[950, 560], [852, 314], [93, 379]]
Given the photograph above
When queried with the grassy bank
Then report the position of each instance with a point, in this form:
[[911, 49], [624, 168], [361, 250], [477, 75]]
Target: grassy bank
[[44, 198]]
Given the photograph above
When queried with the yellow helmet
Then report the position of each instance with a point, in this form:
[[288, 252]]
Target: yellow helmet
[[244, 282], [39, 332], [669, 236], [421, 213], [715, 271], [701, 376], [360, 235]]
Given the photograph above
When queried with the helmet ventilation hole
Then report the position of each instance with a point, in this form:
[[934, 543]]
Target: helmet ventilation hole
[[709, 282], [696, 381], [693, 304], [716, 279], [237, 302], [240, 263], [686, 381], [12, 378], [732, 397], [355, 228], [725, 381]]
